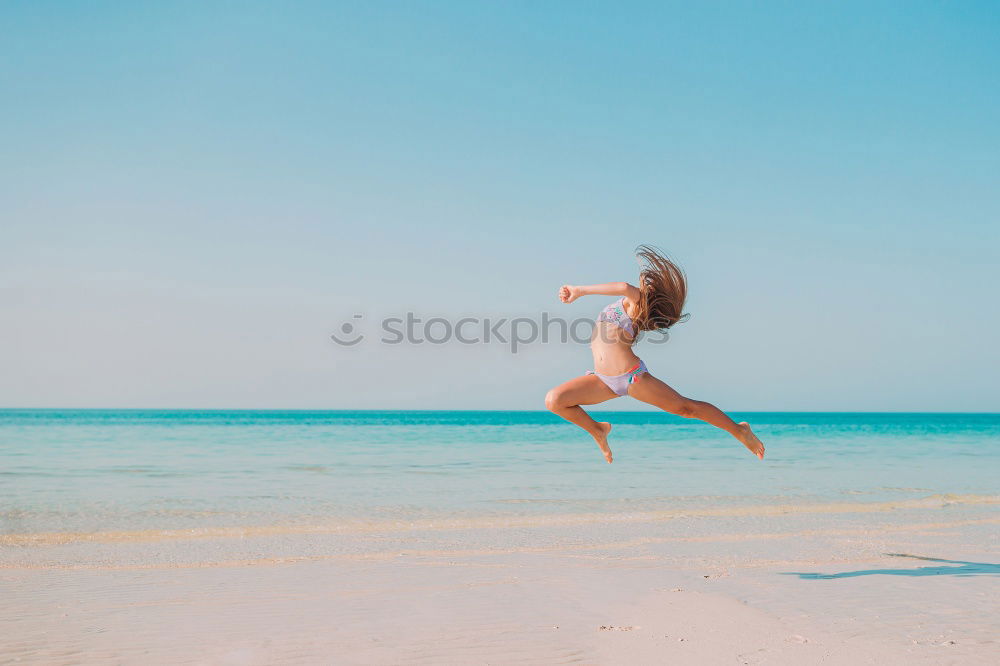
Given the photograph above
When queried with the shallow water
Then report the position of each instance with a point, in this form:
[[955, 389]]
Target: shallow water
[[130, 471]]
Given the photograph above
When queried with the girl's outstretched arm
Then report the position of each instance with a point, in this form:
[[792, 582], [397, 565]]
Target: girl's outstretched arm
[[569, 293]]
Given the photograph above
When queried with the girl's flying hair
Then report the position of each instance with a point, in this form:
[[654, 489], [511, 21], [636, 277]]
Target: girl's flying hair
[[664, 289]]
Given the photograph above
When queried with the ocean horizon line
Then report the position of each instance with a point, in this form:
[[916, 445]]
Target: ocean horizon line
[[384, 410]]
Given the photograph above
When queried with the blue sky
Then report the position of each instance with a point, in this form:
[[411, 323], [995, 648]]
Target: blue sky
[[194, 197]]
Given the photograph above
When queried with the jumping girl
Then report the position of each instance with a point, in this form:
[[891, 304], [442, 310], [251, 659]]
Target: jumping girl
[[656, 304]]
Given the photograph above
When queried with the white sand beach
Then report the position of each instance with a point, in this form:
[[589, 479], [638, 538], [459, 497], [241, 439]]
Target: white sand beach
[[858, 590]]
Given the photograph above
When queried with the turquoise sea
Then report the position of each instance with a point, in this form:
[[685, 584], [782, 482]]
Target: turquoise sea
[[83, 471]]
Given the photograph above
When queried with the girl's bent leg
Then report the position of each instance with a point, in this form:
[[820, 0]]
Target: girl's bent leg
[[565, 400], [651, 390]]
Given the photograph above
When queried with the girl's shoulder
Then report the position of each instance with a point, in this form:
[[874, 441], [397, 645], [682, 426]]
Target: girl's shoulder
[[628, 306]]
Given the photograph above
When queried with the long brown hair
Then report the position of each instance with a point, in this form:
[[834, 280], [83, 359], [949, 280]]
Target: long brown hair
[[664, 289]]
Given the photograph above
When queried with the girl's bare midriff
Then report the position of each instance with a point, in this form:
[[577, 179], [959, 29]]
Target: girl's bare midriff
[[612, 348]]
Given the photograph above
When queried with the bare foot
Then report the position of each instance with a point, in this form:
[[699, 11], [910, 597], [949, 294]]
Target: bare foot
[[750, 440], [602, 439]]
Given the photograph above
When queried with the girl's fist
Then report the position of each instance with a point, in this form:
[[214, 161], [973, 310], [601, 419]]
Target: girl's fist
[[568, 294]]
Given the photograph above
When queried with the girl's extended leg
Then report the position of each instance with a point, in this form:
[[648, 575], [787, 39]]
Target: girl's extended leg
[[565, 400], [649, 389]]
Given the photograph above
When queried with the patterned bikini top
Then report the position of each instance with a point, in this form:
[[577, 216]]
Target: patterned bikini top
[[615, 314]]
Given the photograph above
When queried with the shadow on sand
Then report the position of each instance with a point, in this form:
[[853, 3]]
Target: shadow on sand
[[960, 569]]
